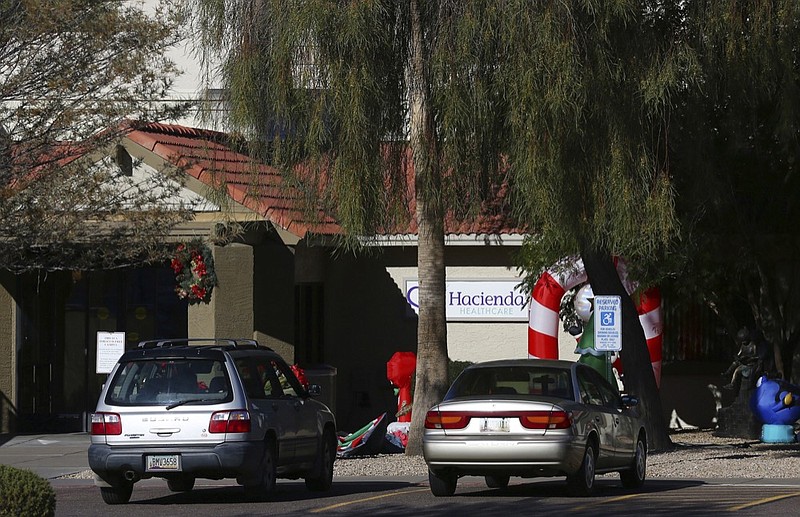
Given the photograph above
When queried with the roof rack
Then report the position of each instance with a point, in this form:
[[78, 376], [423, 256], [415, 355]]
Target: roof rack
[[211, 342]]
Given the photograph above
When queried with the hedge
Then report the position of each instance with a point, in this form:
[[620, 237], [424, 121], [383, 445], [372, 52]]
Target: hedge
[[24, 494]]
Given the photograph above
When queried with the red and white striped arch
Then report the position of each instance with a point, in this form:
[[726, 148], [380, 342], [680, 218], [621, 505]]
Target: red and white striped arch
[[543, 321]]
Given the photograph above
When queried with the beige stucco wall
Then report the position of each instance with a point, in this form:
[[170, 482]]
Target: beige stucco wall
[[485, 341], [477, 341], [273, 297], [8, 354], [230, 312]]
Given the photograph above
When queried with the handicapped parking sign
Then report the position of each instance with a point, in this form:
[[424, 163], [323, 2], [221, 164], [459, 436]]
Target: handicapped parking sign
[[608, 323]]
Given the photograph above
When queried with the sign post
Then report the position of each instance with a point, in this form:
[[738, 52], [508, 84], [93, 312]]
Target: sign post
[[608, 328]]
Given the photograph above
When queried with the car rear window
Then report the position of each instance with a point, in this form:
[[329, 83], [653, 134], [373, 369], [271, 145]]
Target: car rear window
[[521, 381], [165, 381]]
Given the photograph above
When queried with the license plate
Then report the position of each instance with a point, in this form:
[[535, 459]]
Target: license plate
[[163, 462], [495, 425]]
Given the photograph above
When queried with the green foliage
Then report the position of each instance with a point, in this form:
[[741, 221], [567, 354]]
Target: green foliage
[[454, 369], [23, 493], [734, 145], [71, 71], [590, 100], [195, 277]]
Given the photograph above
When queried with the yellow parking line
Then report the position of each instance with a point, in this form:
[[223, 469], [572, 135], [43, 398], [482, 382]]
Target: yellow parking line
[[358, 501], [762, 501], [606, 501]]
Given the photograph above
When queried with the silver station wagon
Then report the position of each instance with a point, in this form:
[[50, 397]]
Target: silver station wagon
[[532, 418], [208, 408]]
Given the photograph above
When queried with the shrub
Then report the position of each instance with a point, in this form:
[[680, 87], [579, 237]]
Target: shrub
[[454, 369], [23, 493]]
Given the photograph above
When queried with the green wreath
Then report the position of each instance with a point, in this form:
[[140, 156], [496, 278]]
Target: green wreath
[[193, 265]]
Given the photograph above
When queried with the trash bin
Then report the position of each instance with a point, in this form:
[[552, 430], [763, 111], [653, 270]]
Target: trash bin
[[323, 375]]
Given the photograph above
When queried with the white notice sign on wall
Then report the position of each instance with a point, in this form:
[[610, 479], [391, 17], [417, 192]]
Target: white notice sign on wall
[[110, 346]]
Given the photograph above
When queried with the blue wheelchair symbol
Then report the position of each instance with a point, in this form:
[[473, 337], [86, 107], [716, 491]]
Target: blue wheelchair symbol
[[607, 319]]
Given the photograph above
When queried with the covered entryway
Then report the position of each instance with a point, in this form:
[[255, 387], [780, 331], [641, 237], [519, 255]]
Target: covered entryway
[[59, 315]]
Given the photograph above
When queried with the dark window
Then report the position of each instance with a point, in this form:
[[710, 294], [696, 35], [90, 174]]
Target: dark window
[[155, 382], [512, 380]]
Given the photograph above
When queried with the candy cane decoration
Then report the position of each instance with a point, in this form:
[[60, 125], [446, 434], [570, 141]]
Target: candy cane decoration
[[546, 300]]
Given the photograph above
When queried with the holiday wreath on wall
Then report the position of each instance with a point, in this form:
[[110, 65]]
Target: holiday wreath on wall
[[193, 265]]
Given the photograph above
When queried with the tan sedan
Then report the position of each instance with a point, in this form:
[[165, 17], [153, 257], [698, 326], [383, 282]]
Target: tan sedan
[[533, 418]]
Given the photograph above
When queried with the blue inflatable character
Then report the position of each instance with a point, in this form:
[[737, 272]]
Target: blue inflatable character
[[776, 402]]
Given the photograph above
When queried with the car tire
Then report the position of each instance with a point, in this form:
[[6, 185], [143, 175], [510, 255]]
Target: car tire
[[497, 481], [634, 477], [181, 484], [267, 473], [581, 483], [442, 485], [116, 494], [322, 479]]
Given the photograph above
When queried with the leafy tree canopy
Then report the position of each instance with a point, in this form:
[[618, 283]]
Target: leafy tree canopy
[[70, 72], [734, 148], [564, 102]]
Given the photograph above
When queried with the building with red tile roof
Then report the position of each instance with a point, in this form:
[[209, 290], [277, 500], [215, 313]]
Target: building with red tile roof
[[281, 281]]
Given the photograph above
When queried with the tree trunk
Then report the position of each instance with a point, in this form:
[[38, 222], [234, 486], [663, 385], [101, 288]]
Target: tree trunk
[[431, 375], [638, 372]]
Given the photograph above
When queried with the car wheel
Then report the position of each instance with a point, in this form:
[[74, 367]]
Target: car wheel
[[442, 485], [116, 494], [497, 481], [322, 479], [267, 474], [634, 477], [181, 484], [582, 482]]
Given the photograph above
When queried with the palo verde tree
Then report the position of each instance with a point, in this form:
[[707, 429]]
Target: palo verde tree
[[70, 72], [735, 146], [560, 101]]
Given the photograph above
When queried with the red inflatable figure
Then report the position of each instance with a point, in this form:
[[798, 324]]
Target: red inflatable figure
[[399, 370]]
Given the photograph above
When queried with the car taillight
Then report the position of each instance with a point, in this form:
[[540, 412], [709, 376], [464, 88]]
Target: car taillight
[[237, 421], [546, 420], [106, 424], [446, 420]]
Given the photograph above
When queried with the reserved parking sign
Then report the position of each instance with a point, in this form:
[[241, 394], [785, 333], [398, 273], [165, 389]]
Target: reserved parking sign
[[608, 323]]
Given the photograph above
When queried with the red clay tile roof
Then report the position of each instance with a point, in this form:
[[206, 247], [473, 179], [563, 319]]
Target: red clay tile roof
[[205, 155]]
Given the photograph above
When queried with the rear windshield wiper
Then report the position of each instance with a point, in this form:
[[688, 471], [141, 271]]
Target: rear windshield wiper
[[188, 401]]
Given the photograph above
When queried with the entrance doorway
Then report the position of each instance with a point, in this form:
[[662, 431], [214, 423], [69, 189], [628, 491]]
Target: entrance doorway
[[61, 314]]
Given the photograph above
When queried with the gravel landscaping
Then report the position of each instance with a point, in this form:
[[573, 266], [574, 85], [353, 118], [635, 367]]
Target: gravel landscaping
[[697, 454]]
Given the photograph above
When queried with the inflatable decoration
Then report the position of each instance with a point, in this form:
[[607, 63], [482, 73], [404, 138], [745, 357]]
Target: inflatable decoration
[[569, 273], [775, 401], [399, 370], [589, 355], [366, 441]]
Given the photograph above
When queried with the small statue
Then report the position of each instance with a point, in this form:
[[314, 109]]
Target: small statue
[[746, 364]]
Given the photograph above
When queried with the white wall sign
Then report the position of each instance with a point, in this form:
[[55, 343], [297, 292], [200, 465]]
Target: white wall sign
[[608, 323], [478, 300], [110, 346]]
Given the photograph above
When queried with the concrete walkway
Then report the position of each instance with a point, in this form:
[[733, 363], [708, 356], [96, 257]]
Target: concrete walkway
[[48, 455]]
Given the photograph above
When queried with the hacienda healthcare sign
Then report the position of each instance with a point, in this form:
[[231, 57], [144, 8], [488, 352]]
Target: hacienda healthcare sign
[[478, 300]]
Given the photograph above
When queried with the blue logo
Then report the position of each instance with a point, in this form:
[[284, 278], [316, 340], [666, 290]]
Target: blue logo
[[607, 318]]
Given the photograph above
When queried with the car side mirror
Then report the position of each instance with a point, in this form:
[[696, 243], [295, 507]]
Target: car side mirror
[[629, 401]]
